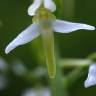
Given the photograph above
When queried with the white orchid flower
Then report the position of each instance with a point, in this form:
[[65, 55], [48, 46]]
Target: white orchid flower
[[44, 24], [91, 79]]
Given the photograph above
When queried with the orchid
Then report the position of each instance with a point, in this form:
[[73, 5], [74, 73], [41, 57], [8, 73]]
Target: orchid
[[44, 24], [91, 79]]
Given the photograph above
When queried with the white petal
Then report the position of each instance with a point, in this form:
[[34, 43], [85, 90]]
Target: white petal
[[26, 36], [33, 8], [66, 27], [50, 5], [91, 79]]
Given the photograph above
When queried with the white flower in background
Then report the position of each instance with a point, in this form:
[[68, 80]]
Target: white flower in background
[[91, 79], [39, 72], [3, 82], [19, 68], [37, 92], [45, 23], [3, 65]]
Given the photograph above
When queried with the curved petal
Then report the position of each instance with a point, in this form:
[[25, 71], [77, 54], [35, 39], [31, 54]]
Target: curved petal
[[66, 27], [91, 79], [33, 8], [26, 36], [50, 5]]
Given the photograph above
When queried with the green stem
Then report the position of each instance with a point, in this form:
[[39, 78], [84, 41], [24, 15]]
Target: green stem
[[56, 84], [72, 62], [72, 77]]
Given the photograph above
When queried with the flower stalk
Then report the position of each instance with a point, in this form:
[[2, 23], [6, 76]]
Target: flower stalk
[[56, 83]]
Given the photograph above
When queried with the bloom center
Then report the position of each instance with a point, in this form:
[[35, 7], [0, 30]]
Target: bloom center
[[43, 15]]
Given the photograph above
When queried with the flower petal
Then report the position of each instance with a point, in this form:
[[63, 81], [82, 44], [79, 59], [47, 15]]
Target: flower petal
[[33, 8], [91, 79], [26, 36], [50, 5], [66, 27]]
